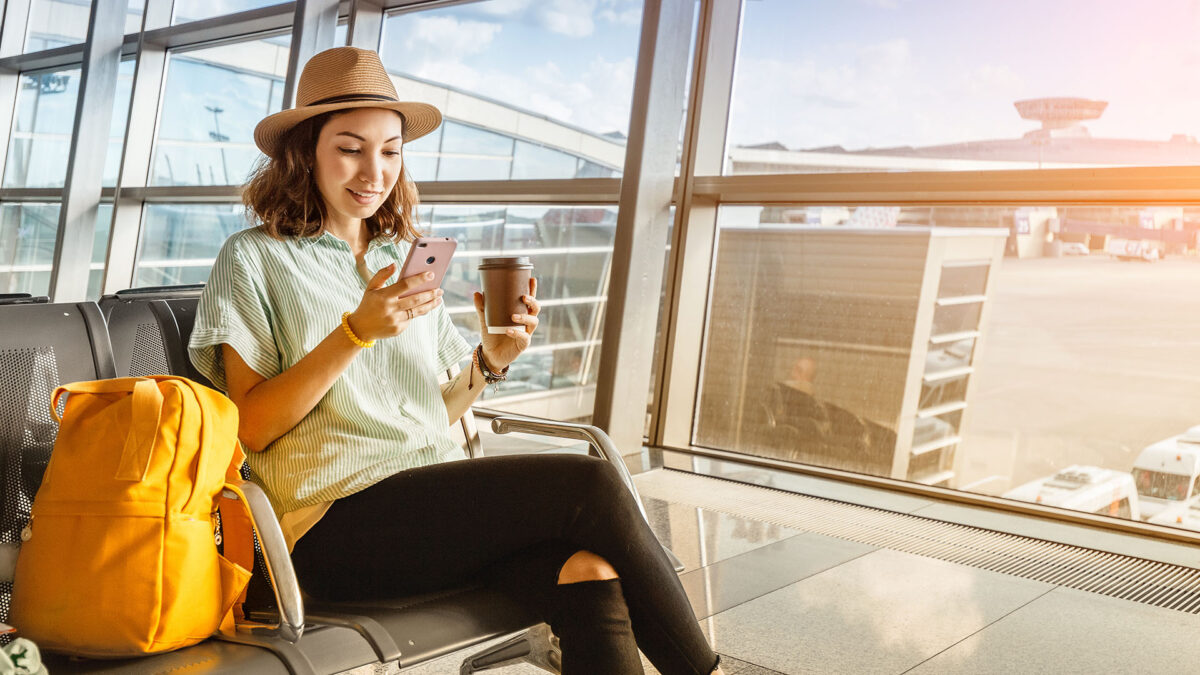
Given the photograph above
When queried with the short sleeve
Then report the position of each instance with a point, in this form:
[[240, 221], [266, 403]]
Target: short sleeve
[[451, 347], [234, 310]]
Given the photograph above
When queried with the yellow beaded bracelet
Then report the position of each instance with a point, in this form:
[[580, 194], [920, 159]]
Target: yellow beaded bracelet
[[365, 344]]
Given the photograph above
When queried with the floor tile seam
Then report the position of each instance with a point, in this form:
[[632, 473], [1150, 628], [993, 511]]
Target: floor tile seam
[[982, 628], [788, 585], [753, 550]]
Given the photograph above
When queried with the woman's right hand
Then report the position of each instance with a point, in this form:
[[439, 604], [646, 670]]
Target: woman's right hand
[[384, 313]]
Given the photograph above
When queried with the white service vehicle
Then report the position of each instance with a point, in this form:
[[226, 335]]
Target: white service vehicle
[[1083, 488], [1180, 514], [1168, 472]]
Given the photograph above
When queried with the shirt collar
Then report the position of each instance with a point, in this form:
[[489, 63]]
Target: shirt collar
[[381, 240]]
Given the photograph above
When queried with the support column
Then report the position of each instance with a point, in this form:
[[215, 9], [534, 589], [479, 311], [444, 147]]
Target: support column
[[149, 76], [89, 143], [695, 234], [366, 24], [313, 32], [643, 219]]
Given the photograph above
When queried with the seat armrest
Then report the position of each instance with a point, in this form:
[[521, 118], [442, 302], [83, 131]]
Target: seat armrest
[[599, 442], [279, 566]]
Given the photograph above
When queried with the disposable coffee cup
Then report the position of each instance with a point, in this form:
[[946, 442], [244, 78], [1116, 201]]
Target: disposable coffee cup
[[504, 281]]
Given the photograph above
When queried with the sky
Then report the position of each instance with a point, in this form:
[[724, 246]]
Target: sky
[[855, 73], [572, 60], [875, 73]]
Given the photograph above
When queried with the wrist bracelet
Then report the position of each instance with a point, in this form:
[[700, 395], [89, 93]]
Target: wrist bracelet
[[489, 376], [365, 344]]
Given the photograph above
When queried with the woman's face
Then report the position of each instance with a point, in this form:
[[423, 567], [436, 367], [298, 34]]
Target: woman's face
[[358, 162]]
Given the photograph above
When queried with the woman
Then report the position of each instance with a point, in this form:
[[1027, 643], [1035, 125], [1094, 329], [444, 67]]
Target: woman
[[348, 428]]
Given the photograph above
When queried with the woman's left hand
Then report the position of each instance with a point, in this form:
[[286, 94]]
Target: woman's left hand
[[501, 349]]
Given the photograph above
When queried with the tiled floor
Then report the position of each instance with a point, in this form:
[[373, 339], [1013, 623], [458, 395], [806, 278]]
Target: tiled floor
[[774, 600]]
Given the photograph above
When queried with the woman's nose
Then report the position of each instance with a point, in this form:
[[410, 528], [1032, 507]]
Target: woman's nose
[[371, 171]]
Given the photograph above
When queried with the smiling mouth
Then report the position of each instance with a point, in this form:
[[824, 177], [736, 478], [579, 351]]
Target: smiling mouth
[[363, 197]]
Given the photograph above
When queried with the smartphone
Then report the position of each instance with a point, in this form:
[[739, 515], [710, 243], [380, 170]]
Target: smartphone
[[428, 254]]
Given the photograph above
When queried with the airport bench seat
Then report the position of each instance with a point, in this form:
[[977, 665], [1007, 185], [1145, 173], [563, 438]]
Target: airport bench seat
[[336, 636]]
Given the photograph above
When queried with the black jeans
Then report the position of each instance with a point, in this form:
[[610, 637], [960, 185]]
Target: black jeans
[[510, 522]]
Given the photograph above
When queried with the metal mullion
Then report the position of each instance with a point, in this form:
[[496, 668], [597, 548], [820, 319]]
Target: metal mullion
[[643, 220], [599, 191], [398, 6], [1177, 185], [31, 195], [695, 233], [56, 58], [314, 29], [89, 142], [263, 19], [366, 24], [215, 29], [145, 99]]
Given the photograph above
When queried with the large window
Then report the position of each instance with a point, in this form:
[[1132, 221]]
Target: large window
[[41, 135], [214, 97], [180, 241], [529, 90], [896, 341], [28, 233], [192, 10], [54, 23], [901, 86]]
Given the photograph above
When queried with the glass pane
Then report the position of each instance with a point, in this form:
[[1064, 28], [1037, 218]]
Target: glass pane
[[180, 241], [214, 98], [55, 23], [41, 137], [571, 249], [99, 250], [191, 10], [848, 346], [27, 236], [926, 86], [116, 134], [559, 78]]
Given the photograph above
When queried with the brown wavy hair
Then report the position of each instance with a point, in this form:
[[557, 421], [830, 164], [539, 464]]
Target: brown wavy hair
[[282, 194]]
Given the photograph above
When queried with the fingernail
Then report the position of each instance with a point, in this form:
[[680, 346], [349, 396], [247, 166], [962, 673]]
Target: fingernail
[[516, 317], [438, 292], [429, 275]]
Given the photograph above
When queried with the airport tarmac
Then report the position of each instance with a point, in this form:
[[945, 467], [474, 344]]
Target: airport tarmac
[[1085, 360]]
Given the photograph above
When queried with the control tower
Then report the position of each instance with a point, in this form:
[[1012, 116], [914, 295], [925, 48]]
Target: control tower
[[1060, 116]]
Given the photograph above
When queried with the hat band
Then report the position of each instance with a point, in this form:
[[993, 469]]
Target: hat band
[[346, 98]]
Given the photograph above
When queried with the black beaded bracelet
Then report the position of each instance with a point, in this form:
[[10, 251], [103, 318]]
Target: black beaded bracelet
[[489, 376]]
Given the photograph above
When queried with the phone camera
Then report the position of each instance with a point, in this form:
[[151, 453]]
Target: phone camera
[[429, 260]]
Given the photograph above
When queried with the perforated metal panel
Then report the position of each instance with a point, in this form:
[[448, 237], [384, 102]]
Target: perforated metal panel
[[1120, 576], [149, 355], [27, 432]]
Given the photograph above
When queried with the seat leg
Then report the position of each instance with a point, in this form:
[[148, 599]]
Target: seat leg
[[536, 646]]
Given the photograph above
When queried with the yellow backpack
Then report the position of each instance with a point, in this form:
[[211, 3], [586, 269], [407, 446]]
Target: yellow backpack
[[119, 557]]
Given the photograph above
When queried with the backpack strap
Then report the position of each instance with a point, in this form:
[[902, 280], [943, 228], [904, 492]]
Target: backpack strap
[[143, 424]]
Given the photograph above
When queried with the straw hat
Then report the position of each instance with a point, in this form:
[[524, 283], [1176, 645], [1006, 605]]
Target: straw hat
[[343, 78]]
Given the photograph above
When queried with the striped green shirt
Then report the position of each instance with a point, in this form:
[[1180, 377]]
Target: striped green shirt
[[273, 301]]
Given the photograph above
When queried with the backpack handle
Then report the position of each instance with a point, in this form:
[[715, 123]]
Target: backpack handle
[[143, 423]]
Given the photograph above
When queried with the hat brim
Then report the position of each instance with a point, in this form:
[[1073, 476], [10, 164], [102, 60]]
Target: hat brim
[[419, 120]]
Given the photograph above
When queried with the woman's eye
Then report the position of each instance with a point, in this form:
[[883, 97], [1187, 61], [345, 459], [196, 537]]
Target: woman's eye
[[348, 151], [391, 153]]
